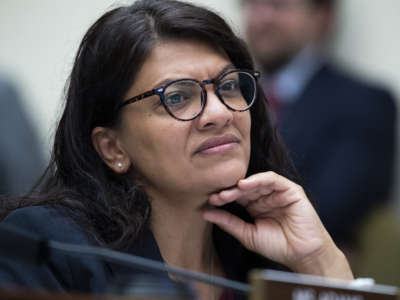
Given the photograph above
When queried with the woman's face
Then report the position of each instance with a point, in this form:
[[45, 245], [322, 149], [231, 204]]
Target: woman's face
[[176, 157]]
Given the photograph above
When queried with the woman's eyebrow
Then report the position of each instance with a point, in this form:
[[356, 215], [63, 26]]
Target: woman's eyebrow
[[225, 69], [164, 82], [168, 80]]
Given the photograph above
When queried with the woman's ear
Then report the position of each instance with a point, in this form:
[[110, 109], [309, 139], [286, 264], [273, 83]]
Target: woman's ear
[[107, 145]]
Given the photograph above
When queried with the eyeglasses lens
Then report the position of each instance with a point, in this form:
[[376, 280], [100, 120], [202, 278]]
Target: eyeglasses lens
[[237, 90], [183, 98]]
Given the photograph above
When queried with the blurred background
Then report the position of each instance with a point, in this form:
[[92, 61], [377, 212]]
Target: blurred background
[[38, 40]]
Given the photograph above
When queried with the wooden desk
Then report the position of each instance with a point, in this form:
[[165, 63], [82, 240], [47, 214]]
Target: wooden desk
[[22, 294], [38, 295]]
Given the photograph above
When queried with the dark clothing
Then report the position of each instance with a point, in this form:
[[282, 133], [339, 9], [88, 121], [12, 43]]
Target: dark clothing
[[90, 275], [341, 135]]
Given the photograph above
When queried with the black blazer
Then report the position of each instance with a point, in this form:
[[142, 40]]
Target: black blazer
[[341, 136], [90, 275]]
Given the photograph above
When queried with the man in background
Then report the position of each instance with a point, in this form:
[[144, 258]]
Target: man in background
[[21, 162], [339, 131]]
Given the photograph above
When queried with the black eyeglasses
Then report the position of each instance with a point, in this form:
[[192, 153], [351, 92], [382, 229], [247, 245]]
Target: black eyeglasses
[[185, 99]]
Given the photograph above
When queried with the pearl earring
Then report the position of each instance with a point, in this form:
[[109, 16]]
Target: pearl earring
[[119, 164]]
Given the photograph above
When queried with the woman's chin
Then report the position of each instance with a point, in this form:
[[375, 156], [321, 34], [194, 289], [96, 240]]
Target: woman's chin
[[226, 179]]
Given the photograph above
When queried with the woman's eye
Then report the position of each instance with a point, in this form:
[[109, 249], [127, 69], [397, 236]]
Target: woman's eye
[[228, 86], [174, 99]]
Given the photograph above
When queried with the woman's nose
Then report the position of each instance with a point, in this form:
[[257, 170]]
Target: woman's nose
[[215, 113]]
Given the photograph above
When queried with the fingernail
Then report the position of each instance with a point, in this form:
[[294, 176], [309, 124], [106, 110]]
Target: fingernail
[[245, 180]]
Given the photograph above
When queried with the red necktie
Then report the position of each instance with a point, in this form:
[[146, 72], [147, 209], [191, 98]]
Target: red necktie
[[274, 104]]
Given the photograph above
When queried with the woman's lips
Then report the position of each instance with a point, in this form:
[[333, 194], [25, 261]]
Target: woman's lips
[[218, 144]]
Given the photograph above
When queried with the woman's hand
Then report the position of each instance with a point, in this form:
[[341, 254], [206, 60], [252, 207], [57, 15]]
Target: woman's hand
[[286, 227]]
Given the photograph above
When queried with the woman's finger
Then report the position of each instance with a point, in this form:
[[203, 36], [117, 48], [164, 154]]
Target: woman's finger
[[253, 188], [224, 197], [232, 224], [278, 200], [247, 190], [243, 198], [266, 181], [228, 196]]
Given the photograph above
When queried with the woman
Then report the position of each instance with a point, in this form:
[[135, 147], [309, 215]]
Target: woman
[[163, 125]]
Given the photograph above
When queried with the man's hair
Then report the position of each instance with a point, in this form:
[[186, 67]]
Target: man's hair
[[323, 2]]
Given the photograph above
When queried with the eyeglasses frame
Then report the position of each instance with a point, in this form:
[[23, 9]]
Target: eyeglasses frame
[[160, 92]]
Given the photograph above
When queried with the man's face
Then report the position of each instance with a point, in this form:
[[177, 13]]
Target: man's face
[[277, 29]]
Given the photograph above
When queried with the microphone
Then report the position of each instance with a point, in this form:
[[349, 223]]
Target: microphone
[[32, 249]]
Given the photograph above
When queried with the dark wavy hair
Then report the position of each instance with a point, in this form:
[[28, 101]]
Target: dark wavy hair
[[112, 207]]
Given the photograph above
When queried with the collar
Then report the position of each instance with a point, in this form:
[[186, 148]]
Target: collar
[[289, 82], [146, 246], [234, 257]]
